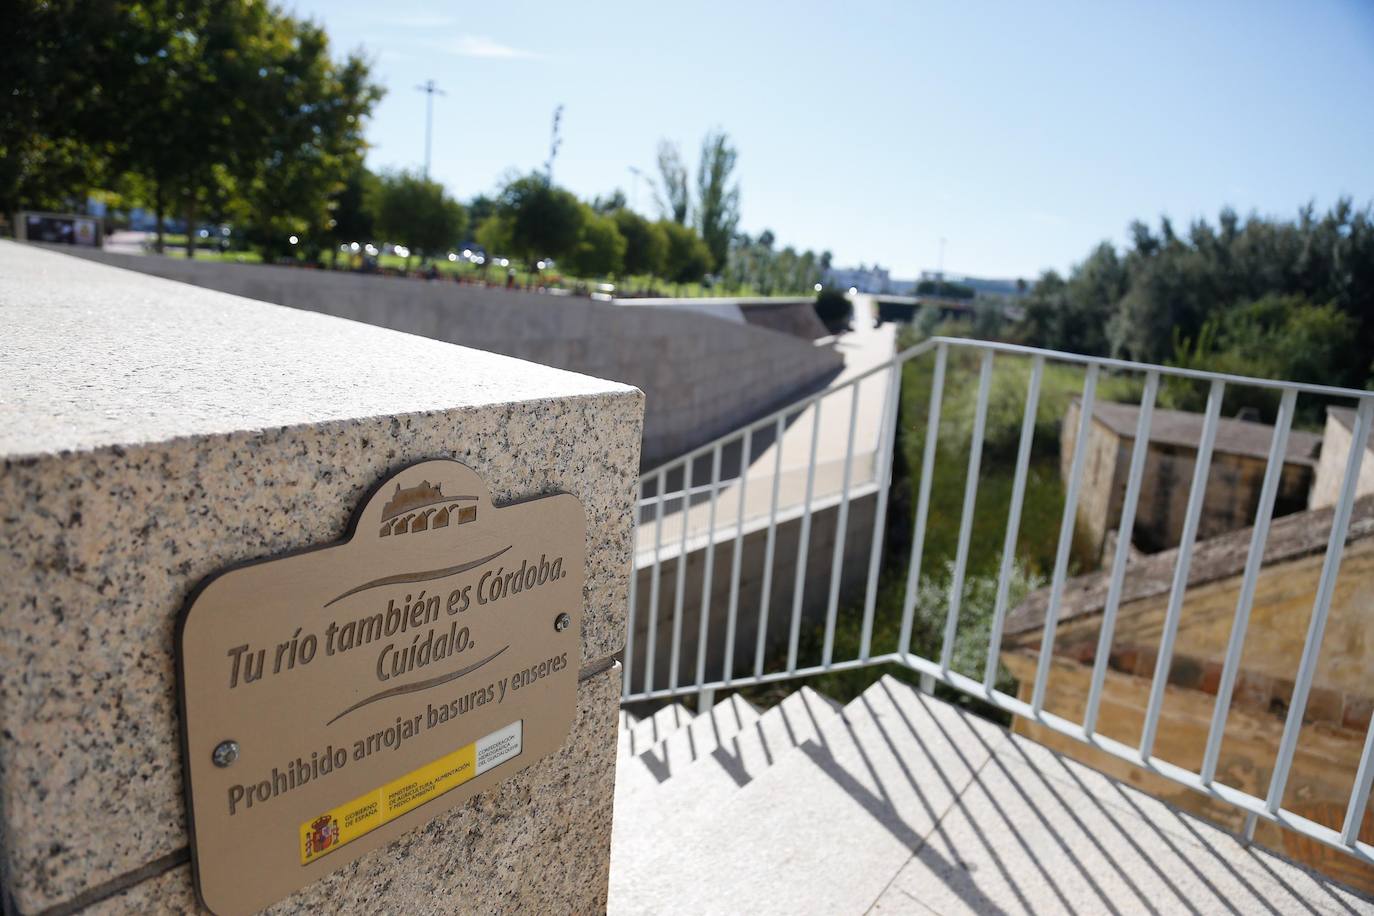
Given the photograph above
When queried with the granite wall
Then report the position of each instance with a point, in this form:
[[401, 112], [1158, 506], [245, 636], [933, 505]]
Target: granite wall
[[702, 376], [156, 433]]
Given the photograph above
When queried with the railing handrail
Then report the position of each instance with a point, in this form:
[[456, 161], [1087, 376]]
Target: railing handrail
[[1268, 806]]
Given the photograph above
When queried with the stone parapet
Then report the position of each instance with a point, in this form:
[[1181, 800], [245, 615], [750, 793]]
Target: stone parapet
[[155, 433], [703, 376]]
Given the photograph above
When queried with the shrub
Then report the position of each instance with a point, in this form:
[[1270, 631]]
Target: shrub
[[833, 309]]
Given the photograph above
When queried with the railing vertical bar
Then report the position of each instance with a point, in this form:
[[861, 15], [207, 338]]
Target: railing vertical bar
[[651, 640], [1264, 513], [626, 684], [1140, 449], [1202, 468], [767, 590], [1086, 407], [730, 618], [1326, 586], [680, 586], [1359, 794], [975, 460], [1018, 495], [708, 572], [918, 535], [886, 447], [841, 535], [803, 544]]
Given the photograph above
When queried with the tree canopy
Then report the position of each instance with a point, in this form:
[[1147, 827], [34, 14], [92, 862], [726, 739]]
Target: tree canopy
[[671, 191], [415, 211], [233, 108], [646, 243], [717, 212], [539, 219], [687, 258], [1289, 299], [600, 248]]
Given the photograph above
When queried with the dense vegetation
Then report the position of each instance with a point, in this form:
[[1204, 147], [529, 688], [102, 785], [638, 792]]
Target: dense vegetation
[[1262, 297]]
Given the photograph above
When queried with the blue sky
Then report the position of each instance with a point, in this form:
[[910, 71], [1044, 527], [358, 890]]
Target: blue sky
[[1021, 133]]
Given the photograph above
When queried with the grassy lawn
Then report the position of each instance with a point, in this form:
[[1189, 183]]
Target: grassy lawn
[[494, 274], [1037, 538], [210, 254]]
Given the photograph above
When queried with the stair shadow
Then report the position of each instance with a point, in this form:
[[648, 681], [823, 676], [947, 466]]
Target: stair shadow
[[880, 806], [733, 764], [657, 762], [1184, 822]]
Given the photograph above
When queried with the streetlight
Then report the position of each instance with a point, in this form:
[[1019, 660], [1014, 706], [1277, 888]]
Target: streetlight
[[634, 188], [429, 89]]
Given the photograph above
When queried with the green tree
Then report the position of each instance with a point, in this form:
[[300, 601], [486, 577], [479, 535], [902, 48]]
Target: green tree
[[304, 114], [352, 217], [479, 208], [610, 203], [687, 259], [57, 132], [754, 264], [1073, 314], [671, 192], [541, 220], [1146, 301], [494, 235], [415, 211], [646, 243], [600, 250], [717, 197], [1276, 336]]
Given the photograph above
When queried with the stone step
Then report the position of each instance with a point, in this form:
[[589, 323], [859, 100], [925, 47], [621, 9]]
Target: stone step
[[827, 827], [648, 812], [721, 772], [906, 805], [643, 733], [686, 746]]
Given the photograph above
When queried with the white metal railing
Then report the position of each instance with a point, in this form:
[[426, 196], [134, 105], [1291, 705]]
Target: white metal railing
[[700, 527]]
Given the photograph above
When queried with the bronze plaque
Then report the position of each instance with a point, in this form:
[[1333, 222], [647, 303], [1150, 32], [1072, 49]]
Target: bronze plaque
[[333, 699]]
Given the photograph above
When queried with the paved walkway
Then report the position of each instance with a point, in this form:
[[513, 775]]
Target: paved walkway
[[864, 347]]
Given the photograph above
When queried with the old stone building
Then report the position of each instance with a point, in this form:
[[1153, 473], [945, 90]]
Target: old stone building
[[1340, 426], [1340, 705], [1239, 459]]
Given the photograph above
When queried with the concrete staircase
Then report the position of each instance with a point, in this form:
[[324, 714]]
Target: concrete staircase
[[900, 803]]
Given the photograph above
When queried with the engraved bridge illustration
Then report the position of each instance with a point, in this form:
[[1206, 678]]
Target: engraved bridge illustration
[[424, 507]]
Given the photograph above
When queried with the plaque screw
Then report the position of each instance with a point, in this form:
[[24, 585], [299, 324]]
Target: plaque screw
[[562, 622], [225, 753]]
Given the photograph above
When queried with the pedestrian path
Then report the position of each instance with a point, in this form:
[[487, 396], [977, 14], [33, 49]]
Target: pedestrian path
[[782, 463]]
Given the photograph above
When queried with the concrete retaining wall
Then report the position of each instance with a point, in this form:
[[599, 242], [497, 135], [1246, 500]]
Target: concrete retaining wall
[[815, 597], [702, 376], [792, 315]]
